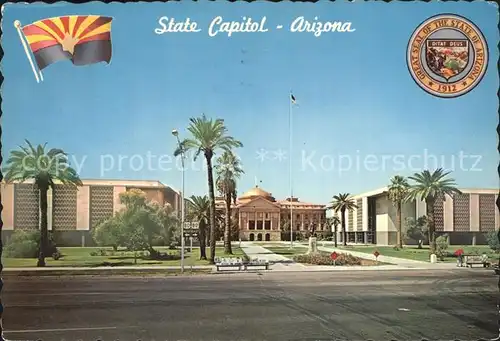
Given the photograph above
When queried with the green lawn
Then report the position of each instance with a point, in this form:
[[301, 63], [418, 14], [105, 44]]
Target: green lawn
[[288, 252], [80, 257], [412, 252]]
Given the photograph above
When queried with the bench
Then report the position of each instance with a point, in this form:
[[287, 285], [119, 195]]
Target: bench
[[256, 263], [222, 263], [227, 263], [479, 260]]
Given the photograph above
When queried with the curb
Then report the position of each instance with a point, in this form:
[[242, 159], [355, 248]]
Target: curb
[[188, 272]]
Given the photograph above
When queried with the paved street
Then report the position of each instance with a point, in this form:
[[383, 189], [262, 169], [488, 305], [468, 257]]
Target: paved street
[[376, 305]]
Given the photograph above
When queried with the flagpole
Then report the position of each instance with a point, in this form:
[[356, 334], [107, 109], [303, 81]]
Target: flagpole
[[17, 25], [290, 158]]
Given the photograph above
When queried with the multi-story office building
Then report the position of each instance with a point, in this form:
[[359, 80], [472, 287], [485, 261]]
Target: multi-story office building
[[465, 217], [72, 211]]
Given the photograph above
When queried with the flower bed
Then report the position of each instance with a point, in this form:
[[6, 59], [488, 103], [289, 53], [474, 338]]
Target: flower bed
[[324, 259]]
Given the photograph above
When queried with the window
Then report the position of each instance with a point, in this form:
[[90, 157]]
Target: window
[[267, 224], [267, 215], [251, 224], [259, 224]]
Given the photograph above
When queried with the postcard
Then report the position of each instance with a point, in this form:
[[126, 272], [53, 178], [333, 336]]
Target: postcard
[[337, 161]]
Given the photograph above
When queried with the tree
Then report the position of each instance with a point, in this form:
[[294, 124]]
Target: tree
[[108, 233], [430, 187], [133, 199], [493, 240], [416, 229], [138, 224], [208, 135], [170, 223], [343, 202], [228, 170], [45, 168], [335, 222], [398, 193], [199, 210]]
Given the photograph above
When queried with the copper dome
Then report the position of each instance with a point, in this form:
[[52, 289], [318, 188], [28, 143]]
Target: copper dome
[[255, 193]]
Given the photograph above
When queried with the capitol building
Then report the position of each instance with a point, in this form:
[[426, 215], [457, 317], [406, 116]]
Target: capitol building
[[263, 218]]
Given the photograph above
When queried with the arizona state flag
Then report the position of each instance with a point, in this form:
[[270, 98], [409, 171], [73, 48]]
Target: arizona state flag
[[83, 39]]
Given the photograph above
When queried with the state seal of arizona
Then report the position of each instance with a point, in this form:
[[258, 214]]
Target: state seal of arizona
[[447, 55]]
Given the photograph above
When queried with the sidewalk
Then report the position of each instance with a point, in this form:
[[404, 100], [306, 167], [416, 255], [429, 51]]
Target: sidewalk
[[103, 268], [278, 262]]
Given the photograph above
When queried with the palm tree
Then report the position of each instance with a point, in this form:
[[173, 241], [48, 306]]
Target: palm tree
[[398, 193], [208, 135], [430, 187], [343, 202], [228, 169], [335, 222], [45, 168], [199, 210]]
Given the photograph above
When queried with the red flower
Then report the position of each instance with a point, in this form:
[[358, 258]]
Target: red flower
[[459, 252]]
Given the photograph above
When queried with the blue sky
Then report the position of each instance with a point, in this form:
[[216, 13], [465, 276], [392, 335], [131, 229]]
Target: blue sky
[[357, 100]]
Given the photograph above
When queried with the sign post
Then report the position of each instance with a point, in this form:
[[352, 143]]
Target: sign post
[[190, 231], [376, 254], [334, 256]]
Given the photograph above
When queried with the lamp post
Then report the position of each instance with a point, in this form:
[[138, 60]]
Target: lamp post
[[176, 134]]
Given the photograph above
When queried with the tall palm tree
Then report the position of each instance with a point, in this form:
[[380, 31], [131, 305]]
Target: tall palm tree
[[228, 169], [207, 136], [335, 222], [45, 168], [199, 210], [343, 202], [429, 187], [398, 193]]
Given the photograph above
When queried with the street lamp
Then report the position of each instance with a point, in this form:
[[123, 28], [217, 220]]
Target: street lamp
[[176, 134]]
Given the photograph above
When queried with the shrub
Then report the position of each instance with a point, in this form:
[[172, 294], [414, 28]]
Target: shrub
[[158, 256], [324, 259], [56, 255], [22, 244], [492, 238], [25, 244], [442, 243], [328, 235], [100, 252]]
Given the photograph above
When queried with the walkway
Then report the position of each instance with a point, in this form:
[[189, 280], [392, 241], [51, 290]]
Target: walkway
[[278, 262]]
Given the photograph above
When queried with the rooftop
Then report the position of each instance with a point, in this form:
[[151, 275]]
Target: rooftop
[[257, 192], [383, 190]]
